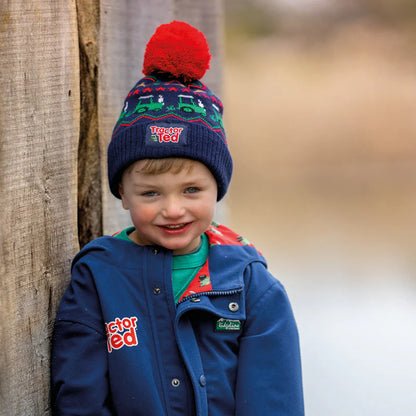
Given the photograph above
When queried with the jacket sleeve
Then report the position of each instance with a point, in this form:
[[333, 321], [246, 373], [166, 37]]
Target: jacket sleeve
[[79, 358], [269, 378]]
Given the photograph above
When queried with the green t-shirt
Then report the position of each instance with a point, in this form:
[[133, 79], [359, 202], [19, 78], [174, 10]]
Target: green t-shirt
[[184, 266]]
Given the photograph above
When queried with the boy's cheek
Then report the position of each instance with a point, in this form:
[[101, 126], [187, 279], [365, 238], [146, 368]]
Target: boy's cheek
[[142, 214]]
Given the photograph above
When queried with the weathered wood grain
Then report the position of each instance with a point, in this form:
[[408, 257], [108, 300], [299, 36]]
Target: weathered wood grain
[[39, 124], [89, 160]]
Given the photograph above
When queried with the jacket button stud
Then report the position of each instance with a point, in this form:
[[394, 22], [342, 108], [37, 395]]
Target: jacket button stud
[[202, 381], [156, 290], [175, 382], [155, 251], [233, 306]]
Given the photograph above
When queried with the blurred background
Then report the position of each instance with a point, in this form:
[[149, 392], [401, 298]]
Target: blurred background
[[320, 105]]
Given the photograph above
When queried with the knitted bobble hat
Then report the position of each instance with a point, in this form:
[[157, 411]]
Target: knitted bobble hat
[[170, 112]]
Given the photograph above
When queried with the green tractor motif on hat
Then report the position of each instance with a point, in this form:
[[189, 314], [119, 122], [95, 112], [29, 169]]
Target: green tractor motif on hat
[[146, 103], [187, 104]]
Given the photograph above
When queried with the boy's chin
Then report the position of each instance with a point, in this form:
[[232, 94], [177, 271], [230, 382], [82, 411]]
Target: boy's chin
[[183, 248]]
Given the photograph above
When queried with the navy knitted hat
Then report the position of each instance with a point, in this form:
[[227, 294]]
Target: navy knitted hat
[[169, 112]]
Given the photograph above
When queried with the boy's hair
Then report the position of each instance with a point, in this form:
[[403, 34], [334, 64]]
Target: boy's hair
[[171, 164], [169, 113], [159, 166]]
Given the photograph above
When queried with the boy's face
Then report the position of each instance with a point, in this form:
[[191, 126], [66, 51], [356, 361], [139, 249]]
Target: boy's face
[[169, 209]]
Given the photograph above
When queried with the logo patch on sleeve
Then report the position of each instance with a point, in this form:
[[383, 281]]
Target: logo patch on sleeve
[[162, 134], [227, 325], [121, 332]]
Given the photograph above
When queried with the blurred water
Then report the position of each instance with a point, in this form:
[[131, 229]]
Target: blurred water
[[358, 344]]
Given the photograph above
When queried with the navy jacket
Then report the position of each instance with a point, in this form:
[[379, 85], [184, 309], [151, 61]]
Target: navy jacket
[[122, 347]]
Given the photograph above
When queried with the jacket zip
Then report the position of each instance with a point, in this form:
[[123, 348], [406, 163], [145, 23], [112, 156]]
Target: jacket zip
[[211, 293]]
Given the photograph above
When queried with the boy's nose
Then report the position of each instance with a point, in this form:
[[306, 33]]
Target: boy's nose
[[173, 208]]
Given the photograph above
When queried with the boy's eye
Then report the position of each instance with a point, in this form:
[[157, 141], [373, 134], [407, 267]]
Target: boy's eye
[[191, 190], [149, 193]]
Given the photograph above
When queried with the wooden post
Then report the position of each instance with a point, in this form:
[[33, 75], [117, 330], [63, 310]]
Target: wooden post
[[39, 128]]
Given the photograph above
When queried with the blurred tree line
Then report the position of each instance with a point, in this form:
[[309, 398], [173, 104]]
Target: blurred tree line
[[313, 19]]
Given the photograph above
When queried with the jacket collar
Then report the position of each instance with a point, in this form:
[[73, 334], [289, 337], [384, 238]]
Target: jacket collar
[[228, 257]]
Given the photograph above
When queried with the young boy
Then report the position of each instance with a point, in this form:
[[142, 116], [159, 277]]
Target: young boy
[[176, 315]]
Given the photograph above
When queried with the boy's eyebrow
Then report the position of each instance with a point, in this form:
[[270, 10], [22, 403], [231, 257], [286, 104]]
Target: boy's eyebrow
[[143, 185], [200, 180], [194, 180]]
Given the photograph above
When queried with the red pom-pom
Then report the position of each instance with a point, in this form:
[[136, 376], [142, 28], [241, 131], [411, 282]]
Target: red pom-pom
[[177, 50]]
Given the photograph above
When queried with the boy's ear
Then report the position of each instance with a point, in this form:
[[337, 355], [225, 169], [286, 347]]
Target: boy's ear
[[121, 192]]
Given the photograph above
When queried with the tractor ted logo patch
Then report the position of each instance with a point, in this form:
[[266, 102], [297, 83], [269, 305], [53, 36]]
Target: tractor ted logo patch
[[121, 332], [166, 134]]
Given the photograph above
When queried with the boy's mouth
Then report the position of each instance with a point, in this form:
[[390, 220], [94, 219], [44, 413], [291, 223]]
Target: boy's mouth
[[174, 226]]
